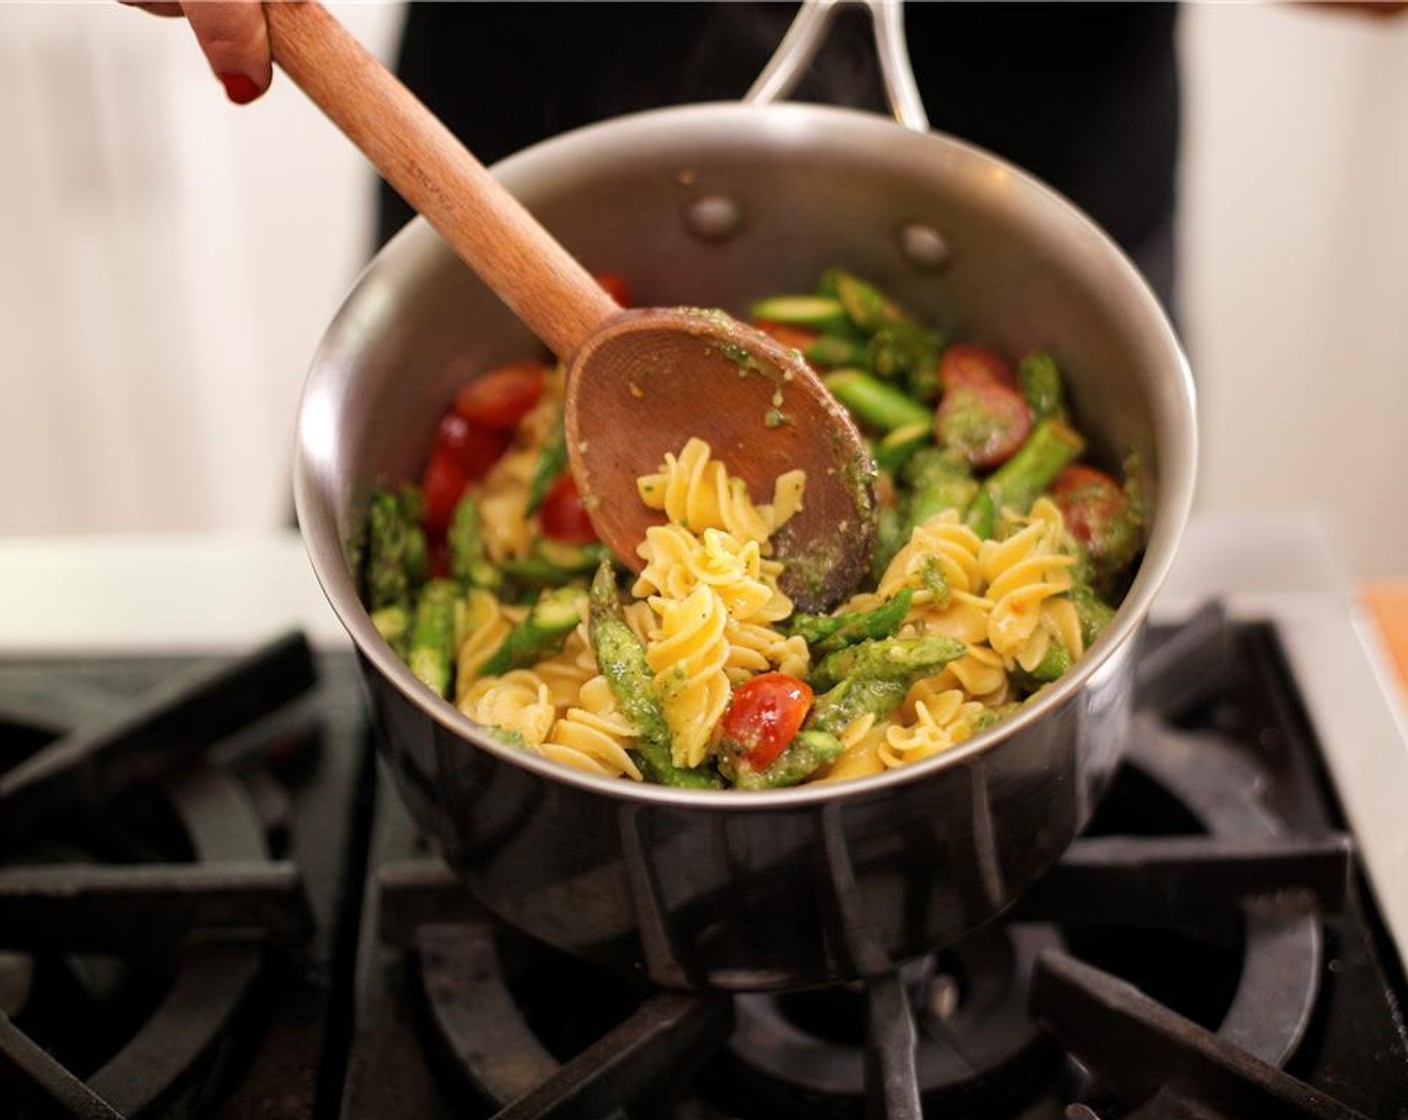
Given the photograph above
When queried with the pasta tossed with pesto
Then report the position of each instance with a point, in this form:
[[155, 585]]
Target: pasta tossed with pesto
[[1000, 559]]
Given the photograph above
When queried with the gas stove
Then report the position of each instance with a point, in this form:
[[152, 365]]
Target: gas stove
[[213, 905]]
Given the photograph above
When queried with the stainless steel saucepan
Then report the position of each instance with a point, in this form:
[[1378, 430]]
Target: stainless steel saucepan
[[716, 205]]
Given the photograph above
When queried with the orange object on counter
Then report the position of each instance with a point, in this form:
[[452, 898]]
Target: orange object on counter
[[1387, 601]]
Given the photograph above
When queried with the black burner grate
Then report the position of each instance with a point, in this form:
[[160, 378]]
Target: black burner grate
[[201, 880], [1187, 884], [188, 931]]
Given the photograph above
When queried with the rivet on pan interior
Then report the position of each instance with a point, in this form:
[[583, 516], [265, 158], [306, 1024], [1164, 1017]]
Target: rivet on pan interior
[[924, 246], [715, 217]]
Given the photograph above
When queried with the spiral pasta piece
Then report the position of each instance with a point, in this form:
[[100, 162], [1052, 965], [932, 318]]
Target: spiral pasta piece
[[860, 755], [979, 674], [482, 626], [677, 561], [757, 648], [594, 735], [502, 497], [940, 557], [518, 702], [696, 491], [688, 660], [1024, 571], [932, 721], [566, 673]]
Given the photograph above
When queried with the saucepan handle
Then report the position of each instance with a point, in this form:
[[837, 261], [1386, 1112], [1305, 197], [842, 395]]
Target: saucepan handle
[[798, 48]]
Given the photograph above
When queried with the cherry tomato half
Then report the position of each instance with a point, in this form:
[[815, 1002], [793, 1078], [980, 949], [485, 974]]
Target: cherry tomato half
[[1091, 503], [983, 414], [967, 361], [503, 396], [475, 448], [615, 285], [563, 516], [765, 715], [442, 484]]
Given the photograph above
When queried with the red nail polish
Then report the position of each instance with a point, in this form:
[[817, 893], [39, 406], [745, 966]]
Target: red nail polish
[[239, 88]]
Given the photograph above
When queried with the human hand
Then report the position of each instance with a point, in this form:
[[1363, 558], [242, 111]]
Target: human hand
[[234, 36]]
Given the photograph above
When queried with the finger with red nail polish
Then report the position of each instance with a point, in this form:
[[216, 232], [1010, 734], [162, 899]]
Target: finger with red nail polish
[[235, 39]]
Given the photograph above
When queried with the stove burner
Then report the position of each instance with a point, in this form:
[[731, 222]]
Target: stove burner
[[192, 936], [975, 1039]]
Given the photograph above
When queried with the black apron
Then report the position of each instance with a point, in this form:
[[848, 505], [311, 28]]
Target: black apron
[[1083, 95]]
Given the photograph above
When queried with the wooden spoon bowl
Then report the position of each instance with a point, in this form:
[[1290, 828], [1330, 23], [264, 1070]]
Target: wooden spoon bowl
[[640, 383], [649, 381]]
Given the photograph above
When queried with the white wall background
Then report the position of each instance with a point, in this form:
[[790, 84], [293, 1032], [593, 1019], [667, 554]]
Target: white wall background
[[168, 262]]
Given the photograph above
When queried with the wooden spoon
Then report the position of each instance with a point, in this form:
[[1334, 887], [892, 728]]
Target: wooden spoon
[[640, 383]]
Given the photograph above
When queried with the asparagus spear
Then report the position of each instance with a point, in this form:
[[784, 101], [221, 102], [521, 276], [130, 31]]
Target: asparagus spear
[[894, 451], [432, 649], [876, 682], [866, 306], [909, 353], [1040, 379], [1093, 612], [541, 634], [938, 480], [1019, 481], [468, 562], [551, 461], [875, 402], [820, 313], [1054, 663], [834, 350], [989, 716], [621, 659], [394, 624], [905, 659], [397, 555], [808, 752], [839, 707], [554, 563], [825, 633]]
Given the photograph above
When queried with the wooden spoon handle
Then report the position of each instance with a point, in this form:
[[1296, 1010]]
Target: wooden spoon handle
[[542, 283]]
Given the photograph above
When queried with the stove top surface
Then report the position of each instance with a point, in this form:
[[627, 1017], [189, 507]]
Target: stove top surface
[[212, 905]]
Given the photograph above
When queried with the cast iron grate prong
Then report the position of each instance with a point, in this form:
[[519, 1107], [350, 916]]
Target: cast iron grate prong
[[1183, 882], [169, 727], [137, 908], [1135, 1046], [46, 1088], [656, 1048], [1193, 665], [891, 1078]]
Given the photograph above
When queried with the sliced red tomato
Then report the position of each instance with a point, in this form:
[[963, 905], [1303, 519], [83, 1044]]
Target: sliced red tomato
[[442, 484], [563, 516], [475, 448], [798, 338], [966, 361], [1092, 503], [503, 396], [615, 285], [983, 414], [765, 715]]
